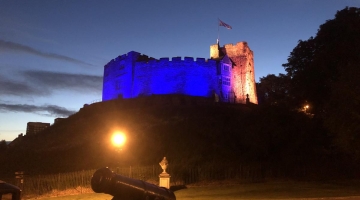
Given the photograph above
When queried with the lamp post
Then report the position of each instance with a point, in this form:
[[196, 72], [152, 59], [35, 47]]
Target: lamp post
[[306, 107], [118, 139]]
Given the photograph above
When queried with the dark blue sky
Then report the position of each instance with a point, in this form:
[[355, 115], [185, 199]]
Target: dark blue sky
[[52, 53]]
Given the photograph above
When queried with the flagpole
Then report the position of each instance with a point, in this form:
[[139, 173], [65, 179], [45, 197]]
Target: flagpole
[[217, 41]]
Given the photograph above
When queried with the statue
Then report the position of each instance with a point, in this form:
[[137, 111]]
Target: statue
[[164, 163]]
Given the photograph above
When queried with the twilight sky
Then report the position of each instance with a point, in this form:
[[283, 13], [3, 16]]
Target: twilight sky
[[52, 52]]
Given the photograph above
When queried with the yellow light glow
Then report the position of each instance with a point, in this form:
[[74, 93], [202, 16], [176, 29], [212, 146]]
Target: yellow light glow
[[118, 139], [306, 107]]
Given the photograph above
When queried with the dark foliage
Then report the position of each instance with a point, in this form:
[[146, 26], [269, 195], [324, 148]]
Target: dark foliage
[[3, 146], [189, 133], [273, 90], [315, 65], [323, 72]]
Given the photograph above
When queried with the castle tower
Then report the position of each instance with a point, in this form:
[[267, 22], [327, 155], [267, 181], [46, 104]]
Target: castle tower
[[119, 76], [243, 73]]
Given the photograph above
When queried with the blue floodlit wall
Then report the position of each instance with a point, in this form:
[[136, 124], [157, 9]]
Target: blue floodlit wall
[[117, 79], [133, 75]]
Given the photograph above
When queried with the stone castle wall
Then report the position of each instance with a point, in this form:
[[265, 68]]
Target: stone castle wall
[[134, 75], [189, 77]]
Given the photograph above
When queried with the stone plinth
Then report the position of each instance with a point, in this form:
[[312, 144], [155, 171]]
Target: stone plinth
[[164, 180]]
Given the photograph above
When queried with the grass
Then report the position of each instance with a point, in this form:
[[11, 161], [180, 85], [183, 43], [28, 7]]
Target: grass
[[273, 190], [279, 190]]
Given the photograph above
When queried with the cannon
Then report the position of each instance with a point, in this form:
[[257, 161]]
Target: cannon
[[6, 188], [124, 188]]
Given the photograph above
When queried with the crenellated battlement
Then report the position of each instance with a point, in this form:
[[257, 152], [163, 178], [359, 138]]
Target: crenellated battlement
[[178, 61], [132, 55], [228, 75], [237, 45]]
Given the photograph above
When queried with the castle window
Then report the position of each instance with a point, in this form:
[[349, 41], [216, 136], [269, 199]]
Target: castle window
[[226, 81], [226, 67]]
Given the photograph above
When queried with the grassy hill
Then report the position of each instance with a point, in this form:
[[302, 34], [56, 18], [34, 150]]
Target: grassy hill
[[187, 130]]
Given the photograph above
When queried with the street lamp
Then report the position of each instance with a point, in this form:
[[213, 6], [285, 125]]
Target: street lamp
[[306, 107], [118, 139]]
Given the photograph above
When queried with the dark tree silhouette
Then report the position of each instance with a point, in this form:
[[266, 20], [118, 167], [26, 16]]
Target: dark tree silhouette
[[314, 65], [3, 146], [273, 90], [325, 71]]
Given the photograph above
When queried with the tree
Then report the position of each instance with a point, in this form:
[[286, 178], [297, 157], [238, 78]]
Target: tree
[[305, 84], [273, 90], [325, 71], [3, 146], [314, 64], [343, 110]]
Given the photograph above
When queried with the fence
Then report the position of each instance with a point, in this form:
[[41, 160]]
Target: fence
[[79, 182]]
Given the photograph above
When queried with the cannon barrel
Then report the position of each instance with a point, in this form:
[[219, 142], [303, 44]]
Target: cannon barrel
[[124, 188]]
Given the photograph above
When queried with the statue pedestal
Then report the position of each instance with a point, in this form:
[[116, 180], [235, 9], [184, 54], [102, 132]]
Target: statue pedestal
[[164, 180]]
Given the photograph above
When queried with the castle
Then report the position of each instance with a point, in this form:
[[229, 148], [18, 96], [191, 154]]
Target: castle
[[228, 76]]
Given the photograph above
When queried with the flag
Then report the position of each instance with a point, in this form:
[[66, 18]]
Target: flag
[[221, 23]]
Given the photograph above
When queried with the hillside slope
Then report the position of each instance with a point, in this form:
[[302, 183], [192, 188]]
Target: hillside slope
[[187, 130]]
